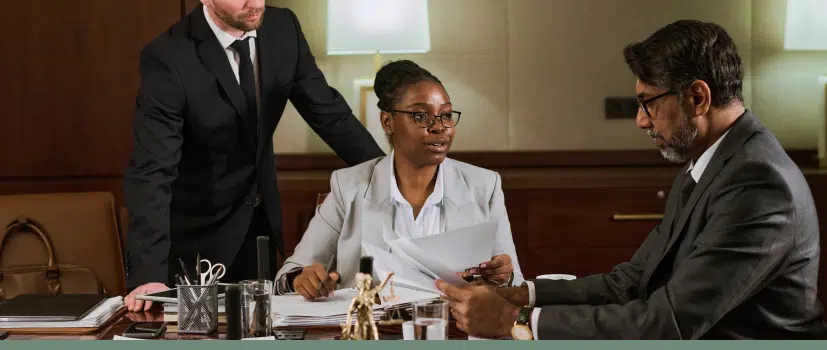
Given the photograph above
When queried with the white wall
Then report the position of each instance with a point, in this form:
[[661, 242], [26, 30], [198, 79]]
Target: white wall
[[532, 74], [787, 96]]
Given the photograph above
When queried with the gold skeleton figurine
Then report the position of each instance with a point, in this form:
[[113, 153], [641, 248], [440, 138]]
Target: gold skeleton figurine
[[365, 327]]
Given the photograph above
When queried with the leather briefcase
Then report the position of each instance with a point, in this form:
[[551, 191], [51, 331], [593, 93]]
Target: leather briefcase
[[51, 278]]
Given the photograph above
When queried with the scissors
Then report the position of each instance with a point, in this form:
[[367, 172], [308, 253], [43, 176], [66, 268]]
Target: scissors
[[213, 272]]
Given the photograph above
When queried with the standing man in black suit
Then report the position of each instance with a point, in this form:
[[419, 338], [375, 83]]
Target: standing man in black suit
[[202, 176], [736, 255]]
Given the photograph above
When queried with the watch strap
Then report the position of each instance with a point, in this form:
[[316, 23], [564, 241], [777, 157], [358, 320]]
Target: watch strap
[[524, 317]]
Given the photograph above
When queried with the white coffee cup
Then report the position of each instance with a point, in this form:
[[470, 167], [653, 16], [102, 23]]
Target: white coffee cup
[[408, 330], [557, 276]]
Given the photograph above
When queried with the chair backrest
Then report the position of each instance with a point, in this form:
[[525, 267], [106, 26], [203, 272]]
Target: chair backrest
[[83, 229]]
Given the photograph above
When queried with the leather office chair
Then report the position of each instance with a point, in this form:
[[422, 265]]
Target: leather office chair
[[82, 227]]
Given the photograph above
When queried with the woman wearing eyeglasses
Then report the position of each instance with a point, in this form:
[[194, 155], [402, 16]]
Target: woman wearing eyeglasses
[[414, 192]]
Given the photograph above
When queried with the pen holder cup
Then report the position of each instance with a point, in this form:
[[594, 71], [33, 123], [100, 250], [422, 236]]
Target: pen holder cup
[[197, 309]]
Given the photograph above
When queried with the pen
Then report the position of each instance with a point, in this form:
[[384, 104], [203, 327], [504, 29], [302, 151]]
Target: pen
[[327, 274], [198, 268], [180, 279], [4, 335], [184, 270]]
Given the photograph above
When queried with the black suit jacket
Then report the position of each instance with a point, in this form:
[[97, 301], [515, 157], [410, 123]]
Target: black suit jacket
[[196, 168], [742, 261]]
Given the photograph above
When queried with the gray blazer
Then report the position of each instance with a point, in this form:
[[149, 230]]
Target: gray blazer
[[359, 206], [741, 262]]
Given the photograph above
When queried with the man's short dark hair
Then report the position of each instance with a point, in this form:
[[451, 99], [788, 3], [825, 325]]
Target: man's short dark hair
[[687, 50]]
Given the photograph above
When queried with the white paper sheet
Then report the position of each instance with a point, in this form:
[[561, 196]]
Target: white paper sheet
[[120, 337], [406, 275], [295, 305], [293, 310], [431, 262], [461, 248]]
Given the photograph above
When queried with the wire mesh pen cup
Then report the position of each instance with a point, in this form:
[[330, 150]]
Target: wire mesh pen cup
[[197, 309]]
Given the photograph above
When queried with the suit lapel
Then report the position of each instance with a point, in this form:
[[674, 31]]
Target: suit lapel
[[377, 220], [665, 230], [458, 213], [274, 77], [215, 59], [740, 131], [267, 61]]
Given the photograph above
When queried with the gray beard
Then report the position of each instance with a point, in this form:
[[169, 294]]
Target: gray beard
[[679, 149]]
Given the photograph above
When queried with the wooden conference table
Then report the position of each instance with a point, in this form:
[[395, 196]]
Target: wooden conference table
[[123, 321]]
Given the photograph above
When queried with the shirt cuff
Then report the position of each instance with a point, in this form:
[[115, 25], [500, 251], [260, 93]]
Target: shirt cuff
[[531, 297], [535, 318], [283, 285]]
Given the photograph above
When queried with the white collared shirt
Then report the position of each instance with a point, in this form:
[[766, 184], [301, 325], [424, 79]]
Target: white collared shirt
[[430, 221], [225, 40], [696, 169]]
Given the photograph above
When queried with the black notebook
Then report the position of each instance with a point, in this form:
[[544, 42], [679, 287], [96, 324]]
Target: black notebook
[[45, 307]]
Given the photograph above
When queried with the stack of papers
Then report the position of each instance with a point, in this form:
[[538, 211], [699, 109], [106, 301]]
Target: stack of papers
[[416, 264], [94, 319], [293, 310]]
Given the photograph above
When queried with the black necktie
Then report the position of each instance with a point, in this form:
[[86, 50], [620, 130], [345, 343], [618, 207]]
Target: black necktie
[[686, 190], [247, 81]]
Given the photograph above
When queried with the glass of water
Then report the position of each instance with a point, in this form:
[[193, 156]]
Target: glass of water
[[255, 308], [430, 319]]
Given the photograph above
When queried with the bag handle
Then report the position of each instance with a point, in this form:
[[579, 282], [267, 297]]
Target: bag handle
[[52, 270]]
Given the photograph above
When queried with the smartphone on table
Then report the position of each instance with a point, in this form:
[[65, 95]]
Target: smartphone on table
[[145, 330]]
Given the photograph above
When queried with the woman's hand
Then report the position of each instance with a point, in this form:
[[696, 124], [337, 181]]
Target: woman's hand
[[307, 283], [499, 269]]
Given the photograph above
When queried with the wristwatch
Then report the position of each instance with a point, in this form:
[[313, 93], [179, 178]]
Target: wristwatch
[[522, 327]]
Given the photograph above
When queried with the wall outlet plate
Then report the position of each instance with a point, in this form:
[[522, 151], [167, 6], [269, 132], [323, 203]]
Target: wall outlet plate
[[621, 107]]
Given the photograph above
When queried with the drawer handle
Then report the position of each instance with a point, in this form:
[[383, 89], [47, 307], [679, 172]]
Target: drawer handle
[[636, 217]]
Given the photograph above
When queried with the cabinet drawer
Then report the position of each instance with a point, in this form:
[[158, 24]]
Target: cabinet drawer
[[594, 217], [588, 230]]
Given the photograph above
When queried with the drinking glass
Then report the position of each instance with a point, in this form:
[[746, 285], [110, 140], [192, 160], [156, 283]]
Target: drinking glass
[[430, 319], [255, 308]]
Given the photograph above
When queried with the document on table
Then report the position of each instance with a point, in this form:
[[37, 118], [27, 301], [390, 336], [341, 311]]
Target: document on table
[[95, 318], [294, 310], [296, 305]]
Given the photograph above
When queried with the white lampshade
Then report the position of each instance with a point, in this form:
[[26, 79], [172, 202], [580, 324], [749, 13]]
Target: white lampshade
[[377, 26], [806, 27]]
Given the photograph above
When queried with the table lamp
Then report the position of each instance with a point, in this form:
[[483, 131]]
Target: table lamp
[[806, 30], [359, 27]]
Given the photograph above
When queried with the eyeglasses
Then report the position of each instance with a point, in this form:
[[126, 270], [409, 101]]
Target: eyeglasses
[[646, 102], [426, 120]]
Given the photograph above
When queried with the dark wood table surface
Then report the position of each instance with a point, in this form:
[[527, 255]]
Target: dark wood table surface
[[123, 321]]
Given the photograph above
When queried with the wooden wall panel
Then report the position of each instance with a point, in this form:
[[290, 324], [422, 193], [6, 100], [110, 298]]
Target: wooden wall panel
[[70, 76], [188, 5]]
